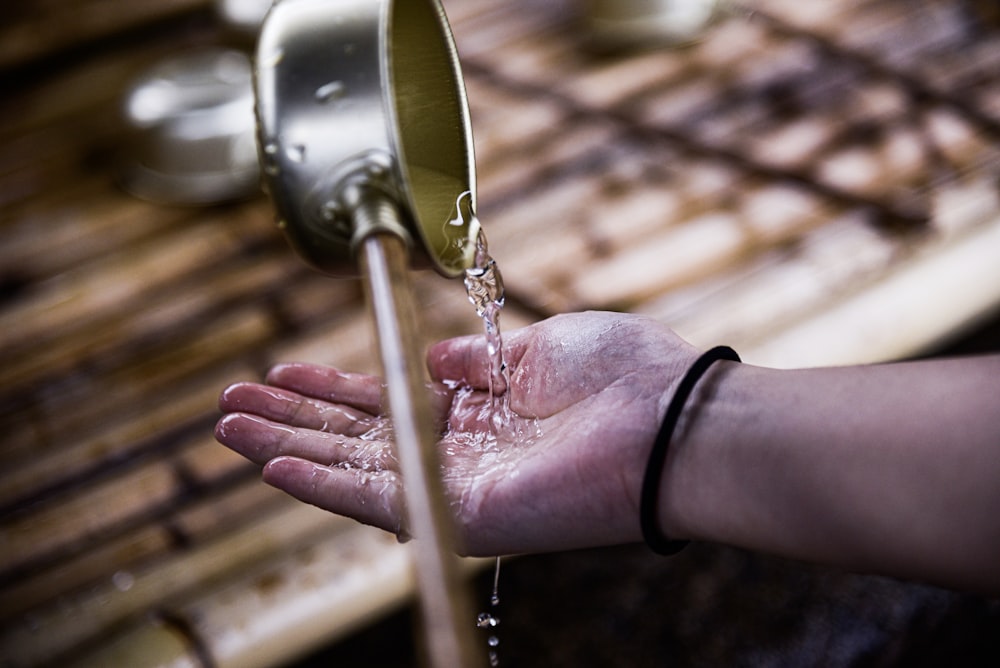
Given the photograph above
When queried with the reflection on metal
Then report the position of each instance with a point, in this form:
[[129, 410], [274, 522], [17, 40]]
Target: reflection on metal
[[192, 126], [243, 16], [622, 24], [366, 150]]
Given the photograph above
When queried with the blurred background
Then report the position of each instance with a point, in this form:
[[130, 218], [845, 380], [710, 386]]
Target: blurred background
[[810, 183]]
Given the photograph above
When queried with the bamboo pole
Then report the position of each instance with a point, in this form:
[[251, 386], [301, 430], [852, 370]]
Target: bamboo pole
[[35, 460], [114, 283], [128, 389], [772, 290], [127, 334], [925, 300], [65, 523], [46, 633], [118, 558], [42, 28], [279, 610], [83, 222]]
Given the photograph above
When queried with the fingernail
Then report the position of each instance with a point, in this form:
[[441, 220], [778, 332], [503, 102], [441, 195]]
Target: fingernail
[[227, 427]]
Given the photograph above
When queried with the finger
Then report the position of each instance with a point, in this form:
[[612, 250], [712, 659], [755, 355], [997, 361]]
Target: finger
[[371, 498], [464, 360], [294, 409], [441, 397], [322, 382], [261, 440]]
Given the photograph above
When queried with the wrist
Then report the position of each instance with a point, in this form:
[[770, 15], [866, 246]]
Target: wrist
[[709, 423]]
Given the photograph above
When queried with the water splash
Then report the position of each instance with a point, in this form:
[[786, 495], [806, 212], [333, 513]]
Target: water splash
[[484, 286]]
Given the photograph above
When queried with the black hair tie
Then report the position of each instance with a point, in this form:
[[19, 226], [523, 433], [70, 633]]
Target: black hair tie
[[648, 516]]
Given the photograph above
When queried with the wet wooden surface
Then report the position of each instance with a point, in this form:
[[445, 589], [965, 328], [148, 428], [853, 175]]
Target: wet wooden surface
[[809, 183]]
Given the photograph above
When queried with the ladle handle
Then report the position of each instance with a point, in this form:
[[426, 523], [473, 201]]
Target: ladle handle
[[445, 606]]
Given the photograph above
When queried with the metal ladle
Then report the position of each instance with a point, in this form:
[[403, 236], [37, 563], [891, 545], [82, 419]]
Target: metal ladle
[[366, 149]]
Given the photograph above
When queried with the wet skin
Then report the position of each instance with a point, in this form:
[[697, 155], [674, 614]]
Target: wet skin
[[321, 436]]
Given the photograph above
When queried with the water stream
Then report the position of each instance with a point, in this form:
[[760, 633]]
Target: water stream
[[484, 285], [485, 289]]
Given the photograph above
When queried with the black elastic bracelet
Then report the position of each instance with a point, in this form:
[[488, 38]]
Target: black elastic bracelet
[[648, 517]]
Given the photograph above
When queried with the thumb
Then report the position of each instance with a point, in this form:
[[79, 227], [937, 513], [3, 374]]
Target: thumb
[[463, 359]]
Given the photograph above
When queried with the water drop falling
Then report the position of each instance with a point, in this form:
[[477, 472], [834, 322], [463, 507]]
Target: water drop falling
[[330, 92], [486, 620], [495, 596], [463, 210]]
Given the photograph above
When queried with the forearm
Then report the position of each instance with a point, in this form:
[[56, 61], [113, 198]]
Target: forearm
[[892, 469]]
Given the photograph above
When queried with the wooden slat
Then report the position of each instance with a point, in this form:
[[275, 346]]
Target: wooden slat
[[32, 468], [120, 557], [54, 630], [115, 282], [900, 315]]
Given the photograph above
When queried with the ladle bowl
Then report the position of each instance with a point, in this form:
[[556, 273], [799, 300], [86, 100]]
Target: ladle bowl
[[366, 94]]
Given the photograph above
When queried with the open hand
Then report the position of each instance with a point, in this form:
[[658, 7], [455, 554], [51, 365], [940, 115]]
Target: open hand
[[586, 394]]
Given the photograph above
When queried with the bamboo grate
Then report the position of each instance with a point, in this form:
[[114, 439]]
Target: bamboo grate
[[811, 183]]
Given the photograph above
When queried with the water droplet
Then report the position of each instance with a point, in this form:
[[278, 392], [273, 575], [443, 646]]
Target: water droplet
[[493, 641], [33, 623], [486, 621], [296, 152], [122, 580], [330, 92], [282, 223], [376, 169], [463, 210], [331, 211]]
